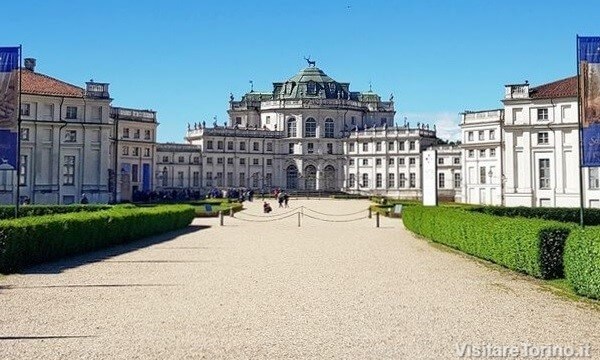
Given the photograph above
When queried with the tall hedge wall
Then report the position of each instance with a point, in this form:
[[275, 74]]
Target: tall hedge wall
[[8, 212], [582, 261], [531, 246], [32, 240], [572, 215]]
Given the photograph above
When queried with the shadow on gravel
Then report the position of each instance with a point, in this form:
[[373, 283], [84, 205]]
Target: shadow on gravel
[[44, 337], [72, 262]]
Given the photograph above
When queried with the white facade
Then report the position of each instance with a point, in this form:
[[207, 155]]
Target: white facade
[[178, 167], [449, 175]]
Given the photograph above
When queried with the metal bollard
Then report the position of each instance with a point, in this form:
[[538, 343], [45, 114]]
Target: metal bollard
[[298, 219], [221, 217], [370, 215], [377, 218]]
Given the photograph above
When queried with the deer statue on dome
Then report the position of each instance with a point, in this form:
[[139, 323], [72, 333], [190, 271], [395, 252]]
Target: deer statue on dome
[[310, 62]]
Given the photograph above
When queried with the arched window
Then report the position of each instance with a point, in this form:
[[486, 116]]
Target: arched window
[[291, 127], [165, 177], [292, 177], [329, 182], [310, 174], [329, 128], [310, 128]]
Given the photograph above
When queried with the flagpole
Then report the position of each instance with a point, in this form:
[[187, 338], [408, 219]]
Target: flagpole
[[580, 123], [18, 171]]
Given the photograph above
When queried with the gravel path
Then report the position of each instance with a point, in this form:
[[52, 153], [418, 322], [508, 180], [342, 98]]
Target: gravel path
[[274, 290]]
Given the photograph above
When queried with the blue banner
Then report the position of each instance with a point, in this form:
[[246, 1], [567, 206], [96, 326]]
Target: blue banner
[[588, 53], [9, 106]]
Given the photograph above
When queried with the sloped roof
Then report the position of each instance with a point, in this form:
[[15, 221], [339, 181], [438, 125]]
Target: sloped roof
[[39, 84], [557, 89]]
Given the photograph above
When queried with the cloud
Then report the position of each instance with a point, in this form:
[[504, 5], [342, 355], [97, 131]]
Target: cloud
[[446, 123]]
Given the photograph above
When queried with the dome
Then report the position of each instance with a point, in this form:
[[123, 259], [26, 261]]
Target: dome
[[311, 82]]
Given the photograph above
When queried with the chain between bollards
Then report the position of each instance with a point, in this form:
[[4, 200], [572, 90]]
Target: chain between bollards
[[221, 217], [377, 218]]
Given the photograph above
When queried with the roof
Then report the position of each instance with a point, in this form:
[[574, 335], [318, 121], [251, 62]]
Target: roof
[[312, 82], [557, 89], [39, 84]]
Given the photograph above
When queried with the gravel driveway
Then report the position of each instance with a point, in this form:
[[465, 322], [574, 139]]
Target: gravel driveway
[[257, 289]]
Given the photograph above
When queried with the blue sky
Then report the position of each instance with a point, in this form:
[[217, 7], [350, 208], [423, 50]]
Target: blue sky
[[438, 58]]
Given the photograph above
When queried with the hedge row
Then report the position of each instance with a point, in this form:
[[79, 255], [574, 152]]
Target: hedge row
[[215, 208], [582, 261], [8, 212], [531, 246], [32, 240], [590, 216]]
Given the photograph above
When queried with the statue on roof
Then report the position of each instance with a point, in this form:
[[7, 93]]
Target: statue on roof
[[392, 97], [189, 127], [230, 97], [310, 62], [203, 124], [433, 127]]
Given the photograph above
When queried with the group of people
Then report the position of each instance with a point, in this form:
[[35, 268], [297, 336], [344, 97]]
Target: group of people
[[282, 199]]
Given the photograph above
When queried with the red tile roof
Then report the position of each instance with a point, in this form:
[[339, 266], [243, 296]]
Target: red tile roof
[[40, 84], [557, 89]]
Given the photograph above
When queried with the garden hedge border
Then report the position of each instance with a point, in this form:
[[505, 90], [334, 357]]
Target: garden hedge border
[[32, 240], [8, 211], [569, 215], [582, 261]]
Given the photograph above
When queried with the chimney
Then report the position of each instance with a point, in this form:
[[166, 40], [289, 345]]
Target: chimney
[[30, 64]]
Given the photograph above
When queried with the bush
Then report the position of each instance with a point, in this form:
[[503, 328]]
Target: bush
[[582, 261], [200, 210], [590, 216], [32, 240], [532, 246], [8, 212]]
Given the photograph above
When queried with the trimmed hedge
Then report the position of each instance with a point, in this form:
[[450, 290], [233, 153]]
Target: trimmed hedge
[[582, 261], [590, 216], [201, 212], [32, 240], [8, 212], [532, 246]]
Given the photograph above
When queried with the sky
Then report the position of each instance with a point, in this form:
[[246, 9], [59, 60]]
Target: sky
[[183, 58]]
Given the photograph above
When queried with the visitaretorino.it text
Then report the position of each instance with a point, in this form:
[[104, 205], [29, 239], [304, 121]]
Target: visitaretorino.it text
[[523, 350]]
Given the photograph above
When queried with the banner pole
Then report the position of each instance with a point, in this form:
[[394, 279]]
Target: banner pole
[[18, 170], [580, 124]]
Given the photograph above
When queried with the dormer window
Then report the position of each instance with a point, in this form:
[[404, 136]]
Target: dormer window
[[332, 87], [311, 88]]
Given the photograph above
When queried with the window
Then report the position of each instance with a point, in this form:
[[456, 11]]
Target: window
[[378, 180], [412, 161], [230, 162], [310, 128], [383, 121], [401, 145], [470, 136], [291, 127], [377, 162], [255, 146], [209, 177], [269, 146], [440, 161], [136, 134], [329, 128], [254, 161], [181, 159], [365, 146], [25, 109], [378, 146], [97, 113], [180, 178], [402, 180], [147, 135], [126, 133], [492, 152], [269, 179], [47, 111], [311, 88], [353, 120], [69, 170], [242, 161], [24, 134], [219, 179], [401, 161], [542, 114], [195, 179], [220, 145], [471, 153], [391, 146], [365, 161], [269, 162], [441, 180], [542, 138], [209, 160], [242, 146], [230, 145], [230, 179], [456, 180], [290, 148], [411, 145], [147, 152], [391, 161], [482, 175], [165, 159], [310, 148], [71, 112], [456, 161], [136, 151], [238, 120], [268, 119], [492, 134], [351, 147], [412, 180], [365, 180], [481, 135], [71, 136], [329, 148], [544, 172], [219, 160], [242, 179], [23, 170], [482, 153], [391, 180], [209, 144], [196, 159], [125, 150], [594, 179], [135, 173], [351, 162], [255, 180], [352, 180]]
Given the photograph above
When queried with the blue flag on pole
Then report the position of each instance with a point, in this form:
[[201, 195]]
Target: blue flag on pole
[[588, 53], [9, 106]]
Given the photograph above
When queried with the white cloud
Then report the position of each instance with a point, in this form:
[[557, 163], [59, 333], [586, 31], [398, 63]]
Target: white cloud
[[446, 123]]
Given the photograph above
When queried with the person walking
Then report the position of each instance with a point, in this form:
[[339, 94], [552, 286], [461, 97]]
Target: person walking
[[280, 199], [286, 198]]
